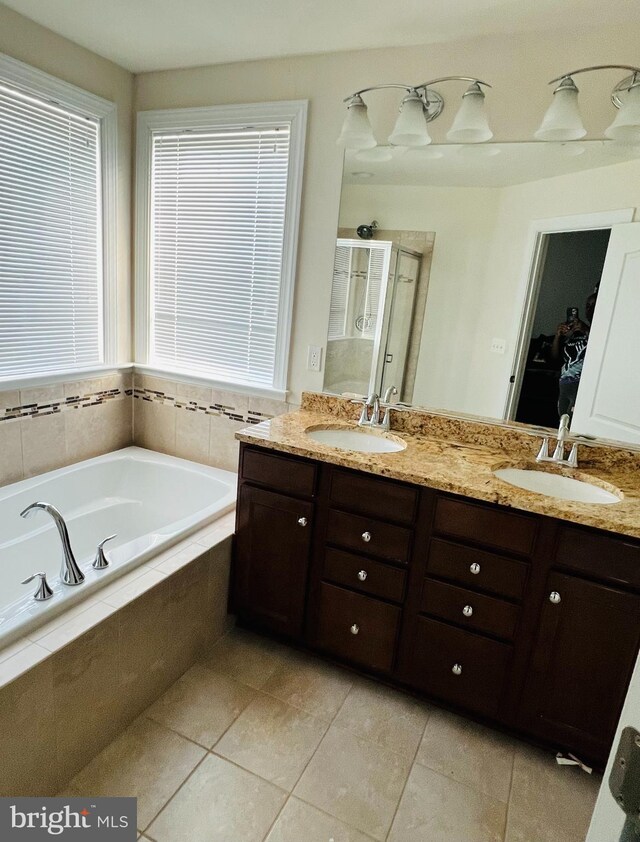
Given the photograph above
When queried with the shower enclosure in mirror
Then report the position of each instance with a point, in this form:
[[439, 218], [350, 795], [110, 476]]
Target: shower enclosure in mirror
[[491, 249], [377, 307]]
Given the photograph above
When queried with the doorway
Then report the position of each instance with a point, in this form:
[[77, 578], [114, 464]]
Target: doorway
[[568, 279]]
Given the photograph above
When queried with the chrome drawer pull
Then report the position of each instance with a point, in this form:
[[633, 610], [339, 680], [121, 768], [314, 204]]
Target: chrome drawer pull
[[355, 629], [475, 568], [362, 575], [366, 537], [467, 611], [456, 669], [555, 597], [303, 521]]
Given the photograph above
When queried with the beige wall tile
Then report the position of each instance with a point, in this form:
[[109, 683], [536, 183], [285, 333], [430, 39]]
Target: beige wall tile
[[273, 740], [93, 430], [9, 400], [44, 446], [219, 803], [42, 394], [154, 425], [194, 393], [192, 435], [10, 452], [27, 726], [218, 593], [440, 809], [147, 761], [223, 447]]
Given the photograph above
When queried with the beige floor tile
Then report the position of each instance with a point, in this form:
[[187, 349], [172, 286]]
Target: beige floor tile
[[219, 803], [310, 684], [246, 657], [439, 809], [147, 762], [273, 740], [355, 781], [469, 753], [549, 802], [299, 821], [201, 705], [385, 716]]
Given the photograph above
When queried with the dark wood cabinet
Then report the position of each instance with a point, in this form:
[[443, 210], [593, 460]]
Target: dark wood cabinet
[[443, 595], [582, 661]]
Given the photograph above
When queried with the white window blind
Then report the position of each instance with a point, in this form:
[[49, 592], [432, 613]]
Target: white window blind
[[218, 205], [340, 293], [50, 237]]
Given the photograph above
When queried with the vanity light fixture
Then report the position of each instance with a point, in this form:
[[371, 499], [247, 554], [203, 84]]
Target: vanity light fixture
[[563, 122], [420, 106]]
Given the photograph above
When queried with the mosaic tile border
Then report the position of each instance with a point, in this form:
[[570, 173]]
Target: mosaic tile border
[[38, 410], [216, 409]]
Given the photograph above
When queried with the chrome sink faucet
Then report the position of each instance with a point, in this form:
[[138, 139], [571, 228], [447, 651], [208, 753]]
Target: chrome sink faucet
[[374, 404], [558, 453], [70, 573]]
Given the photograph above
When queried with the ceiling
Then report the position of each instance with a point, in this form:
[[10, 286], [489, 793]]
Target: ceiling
[[484, 165], [144, 35]]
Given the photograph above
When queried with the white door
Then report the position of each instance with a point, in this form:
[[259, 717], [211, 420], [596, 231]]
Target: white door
[[608, 402], [609, 822]]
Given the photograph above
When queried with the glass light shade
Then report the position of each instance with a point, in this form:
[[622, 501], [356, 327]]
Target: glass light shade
[[562, 120], [470, 124], [356, 130], [626, 126], [411, 126]]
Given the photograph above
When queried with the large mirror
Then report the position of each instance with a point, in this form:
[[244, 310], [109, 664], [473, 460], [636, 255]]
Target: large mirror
[[494, 280]]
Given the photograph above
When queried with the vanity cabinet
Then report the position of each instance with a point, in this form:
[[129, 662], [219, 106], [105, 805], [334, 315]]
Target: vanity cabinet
[[518, 619]]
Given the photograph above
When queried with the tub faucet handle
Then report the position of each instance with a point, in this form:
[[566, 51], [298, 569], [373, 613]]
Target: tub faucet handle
[[43, 591], [101, 561]]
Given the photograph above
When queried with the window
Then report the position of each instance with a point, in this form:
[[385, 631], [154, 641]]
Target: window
[[219, 194], [55, 278]]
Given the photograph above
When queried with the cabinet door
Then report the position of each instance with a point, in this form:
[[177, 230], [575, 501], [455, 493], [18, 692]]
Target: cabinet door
[[273, 544], [585, 650]]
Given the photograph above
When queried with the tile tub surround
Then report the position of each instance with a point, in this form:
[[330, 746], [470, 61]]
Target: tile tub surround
[[67, 691], [48, 427], [259, 742], [458, 456], [195, 422]]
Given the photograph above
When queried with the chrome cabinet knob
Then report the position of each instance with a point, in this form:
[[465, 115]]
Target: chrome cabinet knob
[[555, 597], [456, 669], [302, 521], [475, 568], [467, 611], [362, 575], [355, 629], [366, 537]]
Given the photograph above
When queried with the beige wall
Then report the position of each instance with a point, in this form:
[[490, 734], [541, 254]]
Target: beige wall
[[519, 67], [26, 41]]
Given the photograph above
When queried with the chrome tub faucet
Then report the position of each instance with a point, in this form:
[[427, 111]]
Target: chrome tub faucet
[[70, 573]]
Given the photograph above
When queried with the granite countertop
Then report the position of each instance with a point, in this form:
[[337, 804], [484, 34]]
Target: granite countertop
[[460, 460]]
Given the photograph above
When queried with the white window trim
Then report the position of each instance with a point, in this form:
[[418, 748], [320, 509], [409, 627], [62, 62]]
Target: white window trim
[[182, 119], [36, 83]]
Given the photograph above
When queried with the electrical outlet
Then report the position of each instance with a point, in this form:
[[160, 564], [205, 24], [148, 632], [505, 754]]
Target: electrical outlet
[[314, 358], [498, 346]]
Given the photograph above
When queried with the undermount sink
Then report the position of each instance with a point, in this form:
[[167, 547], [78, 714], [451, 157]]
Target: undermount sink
[[348, 438], [556, 485]]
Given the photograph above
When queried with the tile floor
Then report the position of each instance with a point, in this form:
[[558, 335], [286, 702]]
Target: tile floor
[[258, 742]]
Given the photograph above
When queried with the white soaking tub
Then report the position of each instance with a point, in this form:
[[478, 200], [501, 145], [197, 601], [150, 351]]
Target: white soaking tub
[[149, 499]]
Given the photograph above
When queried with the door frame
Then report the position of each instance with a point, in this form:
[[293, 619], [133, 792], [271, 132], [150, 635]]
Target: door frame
[[535, 252]]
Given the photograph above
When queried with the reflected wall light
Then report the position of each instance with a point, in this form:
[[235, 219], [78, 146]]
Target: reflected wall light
[[563, 122], [419, 106]]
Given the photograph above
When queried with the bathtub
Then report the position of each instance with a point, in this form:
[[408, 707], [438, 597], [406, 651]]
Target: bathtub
[[149, 499]]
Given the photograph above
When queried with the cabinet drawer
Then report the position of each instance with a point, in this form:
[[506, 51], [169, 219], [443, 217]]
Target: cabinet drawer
[[480, 664], [372, 496], [493, 573], [485, 525], [467, 608], [357, 628], [368, 535], [363, 574], [291, 476], [605, 557]]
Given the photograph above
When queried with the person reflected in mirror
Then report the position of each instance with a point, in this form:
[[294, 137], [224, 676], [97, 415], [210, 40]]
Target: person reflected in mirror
[[569, 348]]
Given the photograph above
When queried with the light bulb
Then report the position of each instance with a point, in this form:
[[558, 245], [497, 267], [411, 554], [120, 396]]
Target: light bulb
[[470, 124], [411, 126], [356, 130], [562, 120]]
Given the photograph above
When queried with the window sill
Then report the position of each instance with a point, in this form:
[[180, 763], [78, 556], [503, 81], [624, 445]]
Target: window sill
[[29, 381], [198, 380]]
